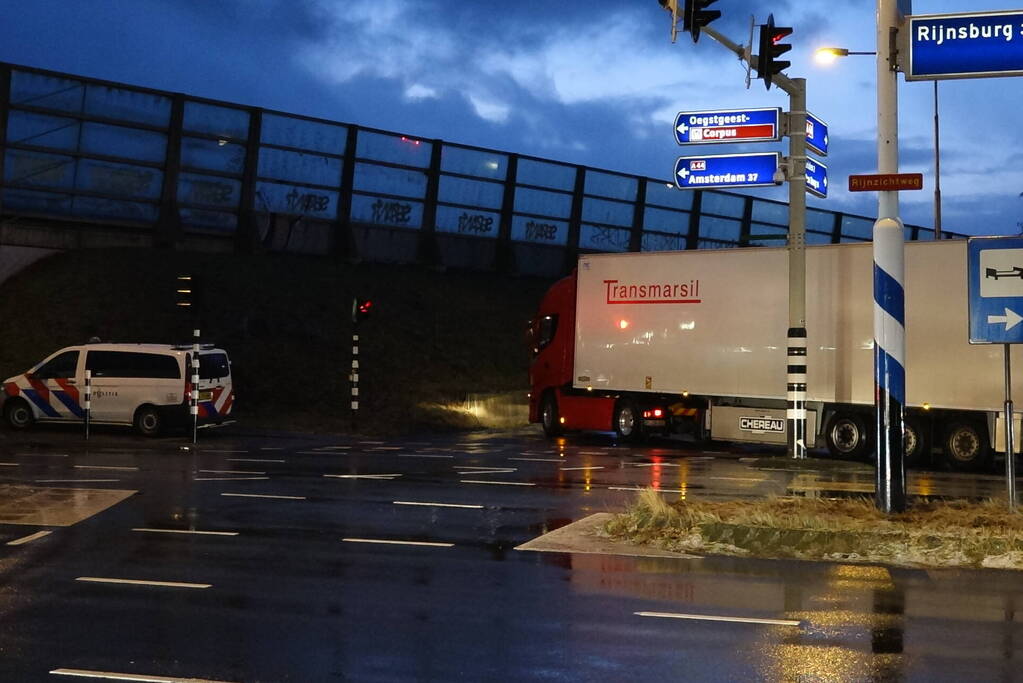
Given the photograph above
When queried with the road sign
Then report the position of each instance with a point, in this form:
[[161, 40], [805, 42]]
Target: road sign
[[995, 267], [965, 45], [816, 135], [726, 171], [727, 125], [886, 182], [816, 178]]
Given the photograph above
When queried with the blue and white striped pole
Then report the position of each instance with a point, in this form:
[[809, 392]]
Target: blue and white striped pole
[[889, 279]]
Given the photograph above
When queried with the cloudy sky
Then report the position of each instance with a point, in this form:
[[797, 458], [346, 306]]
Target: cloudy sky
[[588, 81]]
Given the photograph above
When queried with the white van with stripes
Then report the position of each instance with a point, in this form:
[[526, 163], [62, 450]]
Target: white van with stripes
[[142, 385]]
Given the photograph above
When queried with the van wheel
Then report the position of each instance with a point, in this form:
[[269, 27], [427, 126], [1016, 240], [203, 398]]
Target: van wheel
[[847, 436], [549, 417], [148, 421], [18, 414], [966, 447], [627, 422], [917, 442]]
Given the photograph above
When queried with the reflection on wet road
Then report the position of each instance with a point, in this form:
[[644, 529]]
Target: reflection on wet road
[[314, 559]]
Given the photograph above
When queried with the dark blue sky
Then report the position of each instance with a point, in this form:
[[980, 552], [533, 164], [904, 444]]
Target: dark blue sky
[[595, 81]]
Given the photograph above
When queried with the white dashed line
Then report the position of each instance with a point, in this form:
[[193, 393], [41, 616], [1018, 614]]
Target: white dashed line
[[207, 450], [228, 478], [388, 542], [74, 481], [105, 467], [644, 488], [423, 455], [188, 531], [438, 505], [40, 455], [253, 460], [262, 495], [138, 678], [501, 483], [28, 539], [708, 617], [10, 464], [540, 459], [271, 448], [651, 464], [230, 472], [138, 582], [363, 476], [566, 469]]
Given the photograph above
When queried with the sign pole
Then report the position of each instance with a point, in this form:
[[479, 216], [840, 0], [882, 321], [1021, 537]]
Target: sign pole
[[795, 405], [193, 398], [889, 276], [1010, 458]]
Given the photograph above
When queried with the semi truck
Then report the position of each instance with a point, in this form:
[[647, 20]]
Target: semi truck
[[695, 342]]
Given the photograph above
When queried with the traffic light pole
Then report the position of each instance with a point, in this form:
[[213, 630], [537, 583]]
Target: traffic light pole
[[796, 356]]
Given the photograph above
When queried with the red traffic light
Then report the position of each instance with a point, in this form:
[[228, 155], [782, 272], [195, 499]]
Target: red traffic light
[[361, 308]]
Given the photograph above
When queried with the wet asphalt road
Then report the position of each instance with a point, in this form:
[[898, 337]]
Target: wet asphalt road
[[312, 575]]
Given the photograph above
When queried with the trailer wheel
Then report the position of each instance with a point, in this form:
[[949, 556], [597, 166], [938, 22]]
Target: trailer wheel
[[549, 417], [17, 413], [847, 436], [627, 422], [966, 447], [917, 442]]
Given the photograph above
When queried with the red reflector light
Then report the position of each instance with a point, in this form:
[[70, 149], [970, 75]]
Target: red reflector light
[[655, 413]]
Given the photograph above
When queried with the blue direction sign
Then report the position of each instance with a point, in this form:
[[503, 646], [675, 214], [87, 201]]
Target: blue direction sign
[[816, 135], [726, 170], [995, 267], [816, 178], [966, 45], [727, 125]]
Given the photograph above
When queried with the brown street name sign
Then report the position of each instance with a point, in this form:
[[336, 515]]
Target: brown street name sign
[[886, 182]]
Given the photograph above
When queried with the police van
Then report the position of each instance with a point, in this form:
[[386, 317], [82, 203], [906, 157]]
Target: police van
[[143, 385]]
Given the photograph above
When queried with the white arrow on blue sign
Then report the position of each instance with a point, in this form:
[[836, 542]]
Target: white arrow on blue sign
[[965, 45], [726, 171], [995, 269], [816, 178], [816, 135], [727, 125]]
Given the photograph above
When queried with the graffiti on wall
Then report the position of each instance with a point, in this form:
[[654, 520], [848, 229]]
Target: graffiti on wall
[[393, 212], [306, 203], [537, 232], [476, 223]]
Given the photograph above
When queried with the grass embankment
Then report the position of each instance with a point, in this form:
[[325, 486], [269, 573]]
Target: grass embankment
[[931, 534], [286, 321]]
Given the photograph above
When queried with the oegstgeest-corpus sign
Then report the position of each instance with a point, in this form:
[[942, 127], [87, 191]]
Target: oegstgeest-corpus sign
[[727, 125], [964, 45]]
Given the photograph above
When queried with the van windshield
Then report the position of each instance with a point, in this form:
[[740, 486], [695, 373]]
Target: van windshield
[[213, 366]]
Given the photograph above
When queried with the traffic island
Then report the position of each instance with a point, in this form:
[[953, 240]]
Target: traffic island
[[929, 534]]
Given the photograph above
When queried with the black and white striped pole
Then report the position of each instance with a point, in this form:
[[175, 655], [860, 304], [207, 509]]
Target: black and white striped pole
[[361, 309], [88, 401], [193, 398]]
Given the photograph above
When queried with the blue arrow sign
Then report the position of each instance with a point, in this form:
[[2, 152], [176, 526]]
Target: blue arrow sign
[[816, 135], [726, 170], [966, 45], [727, 125], [816, 178], [995, 267]]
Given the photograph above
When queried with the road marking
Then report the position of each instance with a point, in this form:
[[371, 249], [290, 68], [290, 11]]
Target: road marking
[[262, 495], [644, 488], [105, 467], [30, 538], [503, 483], [588, 467], [40, 455], [188, 531], [422, 455], [74, 481], [437, 505], [371, 443], [253, 460], [540, 459], [228, 478], [591, 452], [139, 678], [138, 582], [332, 448], [230, 472], [708, 617], [363, 476], [386, 448], [210, 450], [380, 540], [651, 464], [9, 464], [271, 448]]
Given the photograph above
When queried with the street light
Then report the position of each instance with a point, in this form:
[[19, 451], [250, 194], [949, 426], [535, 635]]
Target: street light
[[827, 56]]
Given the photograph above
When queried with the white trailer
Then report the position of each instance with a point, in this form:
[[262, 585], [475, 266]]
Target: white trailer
[[707, 330]]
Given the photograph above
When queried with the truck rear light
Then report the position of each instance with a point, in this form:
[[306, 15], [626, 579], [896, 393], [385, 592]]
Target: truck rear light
[[654, 413]]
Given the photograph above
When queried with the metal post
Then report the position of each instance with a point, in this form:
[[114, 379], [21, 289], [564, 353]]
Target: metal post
[[355, 377], [193, 400], [88, 401], [1010, 456], [937, 169], [889, 276], [796, 246]]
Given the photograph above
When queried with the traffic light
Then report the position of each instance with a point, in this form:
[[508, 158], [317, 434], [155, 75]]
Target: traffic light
[[768, 63], [696, 16], [189, 292], [361, 309]]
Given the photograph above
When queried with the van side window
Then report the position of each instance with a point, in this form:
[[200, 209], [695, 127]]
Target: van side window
[[547, 327], [61, 366], [129, 364], [213, 366]]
